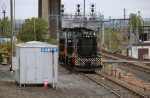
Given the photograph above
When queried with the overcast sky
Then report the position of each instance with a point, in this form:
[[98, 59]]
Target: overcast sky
[[114, 8]]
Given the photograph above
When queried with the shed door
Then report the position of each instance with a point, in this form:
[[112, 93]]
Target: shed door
[[141, 53], [31, 73]]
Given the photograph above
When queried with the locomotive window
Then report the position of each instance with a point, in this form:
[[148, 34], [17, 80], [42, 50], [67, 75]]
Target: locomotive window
[[62, 34], [91, 32], [71, 33], [87, 32]]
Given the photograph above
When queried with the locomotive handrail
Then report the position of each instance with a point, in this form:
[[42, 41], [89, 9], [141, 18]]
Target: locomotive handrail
[[75, 50]]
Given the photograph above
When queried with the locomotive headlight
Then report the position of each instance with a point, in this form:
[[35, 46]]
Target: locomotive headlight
[[69, 40]]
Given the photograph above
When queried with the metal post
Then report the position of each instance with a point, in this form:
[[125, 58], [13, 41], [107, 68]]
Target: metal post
[[57, 24], [131, 34], [137, 26], [84, 24], [11, 30], [84, 8], [102, 30], [14, 25], [110, 33], [53, 68], [34, 30]]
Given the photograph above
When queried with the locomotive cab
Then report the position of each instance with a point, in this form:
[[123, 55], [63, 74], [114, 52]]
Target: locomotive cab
[[78, 49]]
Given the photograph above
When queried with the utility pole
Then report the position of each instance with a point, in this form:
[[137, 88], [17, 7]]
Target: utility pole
[[11, 31]]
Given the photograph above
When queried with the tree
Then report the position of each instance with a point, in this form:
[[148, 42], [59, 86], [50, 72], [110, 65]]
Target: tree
[[115, 40], [133, 21], [26, 32], [5, 27]]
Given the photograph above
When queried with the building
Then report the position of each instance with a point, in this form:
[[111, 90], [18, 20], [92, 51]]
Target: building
[[141, 50]]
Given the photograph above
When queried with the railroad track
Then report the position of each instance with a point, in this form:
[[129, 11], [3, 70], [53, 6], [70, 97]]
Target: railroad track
[[131, 65], [113, 86], [114, 56], [120, 56]]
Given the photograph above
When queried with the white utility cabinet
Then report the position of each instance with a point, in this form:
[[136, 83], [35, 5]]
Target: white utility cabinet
[[34, 62]]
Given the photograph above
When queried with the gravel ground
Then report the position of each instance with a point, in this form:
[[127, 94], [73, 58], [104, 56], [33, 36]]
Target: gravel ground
[[140, 75], [130, 77], [68, 86]]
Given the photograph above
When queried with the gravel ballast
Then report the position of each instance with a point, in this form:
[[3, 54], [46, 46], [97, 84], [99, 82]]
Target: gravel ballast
[[68, 86]]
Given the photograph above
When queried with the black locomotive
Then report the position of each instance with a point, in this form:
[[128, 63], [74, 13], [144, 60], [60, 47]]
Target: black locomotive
[[78, 49]]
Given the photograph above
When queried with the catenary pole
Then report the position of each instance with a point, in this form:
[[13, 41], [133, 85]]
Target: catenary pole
[[110, 33], [131, 35]]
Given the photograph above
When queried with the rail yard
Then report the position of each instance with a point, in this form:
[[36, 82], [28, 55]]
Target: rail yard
[[81, 54]]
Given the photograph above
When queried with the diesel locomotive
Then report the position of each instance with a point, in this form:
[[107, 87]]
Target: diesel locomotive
[[78, 49]]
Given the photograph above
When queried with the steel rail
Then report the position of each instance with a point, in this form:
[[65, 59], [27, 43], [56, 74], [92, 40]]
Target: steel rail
[[101, 85], [120, 84]]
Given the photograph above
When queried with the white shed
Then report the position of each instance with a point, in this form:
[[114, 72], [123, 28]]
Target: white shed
[[34, 62], [141, 50]]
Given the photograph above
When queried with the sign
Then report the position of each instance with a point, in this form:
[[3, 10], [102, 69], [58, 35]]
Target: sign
[[49, 49]]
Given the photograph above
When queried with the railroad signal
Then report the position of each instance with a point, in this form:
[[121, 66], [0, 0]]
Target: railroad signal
[[92, 8], [78, 8], [62, 9]]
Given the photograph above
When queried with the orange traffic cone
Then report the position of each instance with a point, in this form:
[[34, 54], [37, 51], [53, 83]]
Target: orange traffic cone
[[45, 84]]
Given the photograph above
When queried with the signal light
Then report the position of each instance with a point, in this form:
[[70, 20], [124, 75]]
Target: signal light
[[78, 8], [78, 5], [62, 10], [92, 5], [92, 8], [62, 6]]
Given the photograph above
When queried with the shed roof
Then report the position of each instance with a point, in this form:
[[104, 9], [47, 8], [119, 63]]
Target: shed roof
[[145, 43], [35, 44]]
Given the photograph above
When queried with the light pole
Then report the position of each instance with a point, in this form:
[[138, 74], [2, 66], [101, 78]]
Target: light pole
[[4, 8], [3, 27], [11, 31]]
